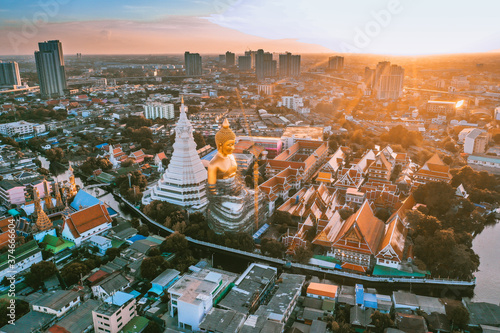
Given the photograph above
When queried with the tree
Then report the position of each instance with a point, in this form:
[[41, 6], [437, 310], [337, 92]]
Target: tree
[[272, 247], [241, 241], [199, 139], [381, 321], [71, 273], [280, 217], [143, 230], [459, 317], [55, 154], [112, 253], [421, 224], [21, 307], [437, 196], [153, 327], [302, 255], [151, 267], [175, 243]]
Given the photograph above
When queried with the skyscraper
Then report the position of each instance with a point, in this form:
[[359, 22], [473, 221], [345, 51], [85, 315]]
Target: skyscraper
[[245, 63], [289, 65], [9, 74], [336, 63], [389, 80], [265, 66], [50, 68], [230, 59], [192, 63]]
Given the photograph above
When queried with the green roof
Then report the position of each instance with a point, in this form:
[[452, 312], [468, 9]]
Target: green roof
[[56, 244], [105, 177], [388, 271], [21, 252], [116, 243], [14, 212], [136, 324]]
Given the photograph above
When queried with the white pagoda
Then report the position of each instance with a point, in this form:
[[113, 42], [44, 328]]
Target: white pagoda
[[184, 182]]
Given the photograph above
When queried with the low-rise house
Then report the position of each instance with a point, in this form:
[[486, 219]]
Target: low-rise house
[[57, 302], [110, 285], [101, 243], [25, 255]]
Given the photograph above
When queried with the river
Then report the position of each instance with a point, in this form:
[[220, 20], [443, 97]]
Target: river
[[488, 278]]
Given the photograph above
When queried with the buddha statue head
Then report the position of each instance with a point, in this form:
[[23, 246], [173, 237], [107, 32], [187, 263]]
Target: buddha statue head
[[225, 139]]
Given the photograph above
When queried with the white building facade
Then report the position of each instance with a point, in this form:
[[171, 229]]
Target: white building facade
[[156, 110]]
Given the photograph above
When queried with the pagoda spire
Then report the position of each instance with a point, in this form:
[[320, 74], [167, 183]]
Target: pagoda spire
[[43, 222], [72, 184], [57, 193], [48, 197]]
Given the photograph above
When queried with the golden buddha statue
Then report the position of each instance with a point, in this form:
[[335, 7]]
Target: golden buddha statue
[[223, 165], [231, 203]]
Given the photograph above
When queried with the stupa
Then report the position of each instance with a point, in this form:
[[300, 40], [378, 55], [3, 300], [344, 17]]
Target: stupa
[[184, 182]]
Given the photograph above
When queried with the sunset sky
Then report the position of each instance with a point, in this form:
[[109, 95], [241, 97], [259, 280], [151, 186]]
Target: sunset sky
[[397, 27]]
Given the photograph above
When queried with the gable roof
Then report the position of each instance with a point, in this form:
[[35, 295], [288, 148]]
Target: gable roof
[[366, 225], [87, 219]]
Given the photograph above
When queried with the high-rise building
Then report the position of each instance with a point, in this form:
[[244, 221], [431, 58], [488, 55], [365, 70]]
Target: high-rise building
[[222, 59], [289, 65], [192, 62], [252, 57], [245, 63], [9, 74], [265, 66], [155, 110], [50, 68], [230, 59], [389, 80], [185, 180], [336, 63]]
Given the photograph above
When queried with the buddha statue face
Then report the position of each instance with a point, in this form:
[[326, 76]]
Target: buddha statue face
[[225, 139], [226, 148]]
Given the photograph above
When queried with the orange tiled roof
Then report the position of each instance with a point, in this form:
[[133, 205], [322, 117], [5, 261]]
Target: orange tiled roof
[[87, 219]]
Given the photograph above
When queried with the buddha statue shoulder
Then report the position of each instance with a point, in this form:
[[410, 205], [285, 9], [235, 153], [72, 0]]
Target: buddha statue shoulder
[[223, 165]]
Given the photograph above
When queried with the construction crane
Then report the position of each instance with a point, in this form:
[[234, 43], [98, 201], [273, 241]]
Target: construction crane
[[255, 165]]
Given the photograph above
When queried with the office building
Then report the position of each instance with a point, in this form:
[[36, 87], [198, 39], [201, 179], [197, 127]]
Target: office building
[[21, 128], [289, 65], [230, 59], [50, 68], [192, 63], [245, 63], [156, 110], [336, 63], [476, 142], [265, 66], [9, 74]]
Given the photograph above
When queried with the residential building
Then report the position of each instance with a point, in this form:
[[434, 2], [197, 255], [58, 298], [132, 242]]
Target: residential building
[[110, 285], [230, 59], [441, 107], [50, 68], [80, 226], [9, 74], [163, 281], [294, 102], [154, 110], [21, 128], [280, 306], [289, 65], [386, 80], [265, 89], [192, 63], [114, 313], [222, 321], [265, 66], [336, 63], [245, 63], [250, 289], [57, 302], [322, 291], [101, 243], [476, 142], [26, 255], [484, 161], [294, 133]]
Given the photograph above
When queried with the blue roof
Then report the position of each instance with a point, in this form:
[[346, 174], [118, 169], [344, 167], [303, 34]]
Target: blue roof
[[111, 211], [210, 155], [371, 301], [262, 230], [491, 159], [101, 145], [136, 238], [119, 298], [13, 212], [360, 292], [84, 199], [135, 293]]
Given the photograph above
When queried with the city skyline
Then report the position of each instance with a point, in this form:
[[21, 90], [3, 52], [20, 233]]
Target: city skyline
[[394, 27]]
